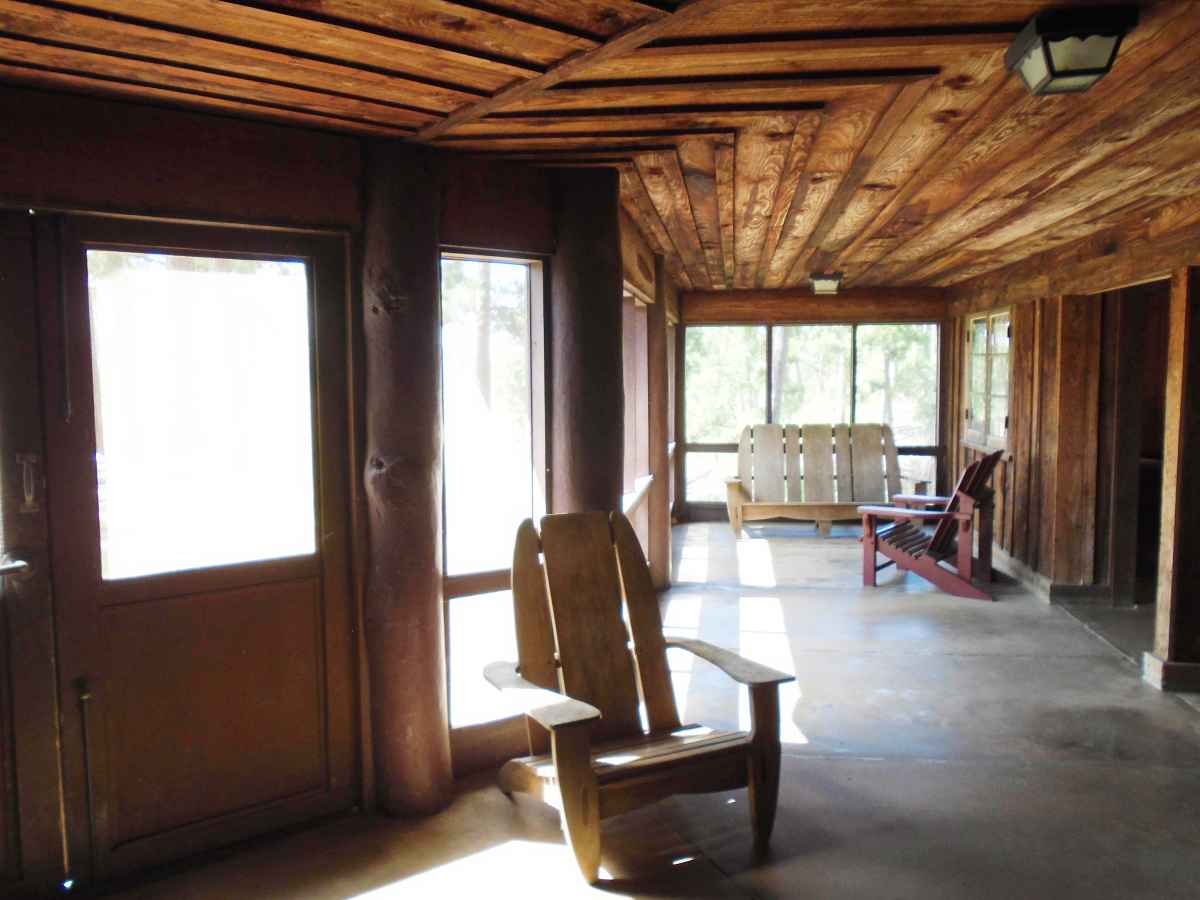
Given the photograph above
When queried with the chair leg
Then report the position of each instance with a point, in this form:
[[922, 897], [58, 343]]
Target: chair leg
[[571, 746], [764, 763]]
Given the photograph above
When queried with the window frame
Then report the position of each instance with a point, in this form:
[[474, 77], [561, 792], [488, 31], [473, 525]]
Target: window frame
[[715, 509], [500, 580], [977, 432]]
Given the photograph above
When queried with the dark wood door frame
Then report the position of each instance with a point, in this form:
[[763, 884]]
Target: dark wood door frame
[[35, 855], [67, 381]]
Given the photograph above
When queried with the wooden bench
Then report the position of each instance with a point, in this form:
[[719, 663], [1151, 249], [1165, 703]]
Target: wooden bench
[[818, 473]]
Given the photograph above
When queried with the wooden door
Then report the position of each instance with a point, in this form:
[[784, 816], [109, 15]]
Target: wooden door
[[31, 845], [197, 423]]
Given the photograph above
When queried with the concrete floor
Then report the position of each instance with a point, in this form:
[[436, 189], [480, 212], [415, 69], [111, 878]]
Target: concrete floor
[[934, 747]]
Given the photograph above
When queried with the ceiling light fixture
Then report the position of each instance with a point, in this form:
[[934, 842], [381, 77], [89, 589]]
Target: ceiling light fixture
[[1064, 51], [825, 283]]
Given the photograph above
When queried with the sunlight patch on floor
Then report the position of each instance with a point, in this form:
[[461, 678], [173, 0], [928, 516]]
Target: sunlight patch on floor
[[516, 869], [756, 567]]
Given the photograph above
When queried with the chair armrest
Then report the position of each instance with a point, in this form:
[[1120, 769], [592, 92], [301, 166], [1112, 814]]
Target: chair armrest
[[920, 498], [736, 667], [548, 708], [893, 512]]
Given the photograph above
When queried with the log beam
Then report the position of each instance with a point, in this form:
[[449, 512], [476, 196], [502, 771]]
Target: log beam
[[587, 400], [402, 478], [801, 306]]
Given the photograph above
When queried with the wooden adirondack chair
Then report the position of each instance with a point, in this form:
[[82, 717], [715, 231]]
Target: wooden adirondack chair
[[908, 545], [578, 683]]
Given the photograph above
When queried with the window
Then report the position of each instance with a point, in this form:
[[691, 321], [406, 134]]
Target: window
[[725, 388], [987, 378], [204, 413], [873, 372], [487, 411], [493, 459]]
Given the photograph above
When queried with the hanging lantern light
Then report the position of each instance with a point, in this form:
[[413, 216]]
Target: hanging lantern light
[[1064, 51]]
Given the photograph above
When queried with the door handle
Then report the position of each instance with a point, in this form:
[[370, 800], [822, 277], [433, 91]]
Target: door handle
[[14, 567]]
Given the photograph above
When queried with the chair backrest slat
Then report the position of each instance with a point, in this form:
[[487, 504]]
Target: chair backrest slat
[[768, 463], [891, 462], [972, 482], [791, 443], [596, 664], [645, 621], [845, 483], [745, 460], [531, 610], [818, 463], [866, 454]]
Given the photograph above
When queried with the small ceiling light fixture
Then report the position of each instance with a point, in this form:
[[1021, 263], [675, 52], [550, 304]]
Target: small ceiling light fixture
[[1064, 51], [823, 283]]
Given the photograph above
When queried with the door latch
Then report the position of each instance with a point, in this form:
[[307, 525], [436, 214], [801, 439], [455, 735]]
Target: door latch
[[29, 481]]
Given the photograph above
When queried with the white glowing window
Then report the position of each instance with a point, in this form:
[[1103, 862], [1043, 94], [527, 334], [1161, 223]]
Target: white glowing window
[[204, 419]]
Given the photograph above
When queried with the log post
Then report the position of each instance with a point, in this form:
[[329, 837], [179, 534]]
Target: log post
[[1175, 662], [402, 480], [658, 381], [587, 399]]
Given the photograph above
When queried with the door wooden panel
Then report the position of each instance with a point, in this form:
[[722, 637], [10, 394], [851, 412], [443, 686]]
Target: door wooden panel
[[203, 705], [191, 674]]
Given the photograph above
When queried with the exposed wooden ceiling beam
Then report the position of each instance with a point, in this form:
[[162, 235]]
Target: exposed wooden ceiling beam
[[573, 66]]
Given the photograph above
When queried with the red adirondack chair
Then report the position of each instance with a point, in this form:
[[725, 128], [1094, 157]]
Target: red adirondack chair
[[908, 545]]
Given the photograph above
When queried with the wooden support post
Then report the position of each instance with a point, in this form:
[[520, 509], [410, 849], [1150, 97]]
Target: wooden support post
[[587, 400], [402, 476], [1175, 662], [659, 501], [1076, 416]]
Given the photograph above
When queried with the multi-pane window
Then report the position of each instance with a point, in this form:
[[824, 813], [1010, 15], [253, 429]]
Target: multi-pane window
[[987, 379], [878, 372]]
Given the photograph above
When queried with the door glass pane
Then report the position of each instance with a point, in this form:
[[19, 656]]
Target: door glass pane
[[204, 425], [811, 378], [898, 380], [725, 381], [487, 422]]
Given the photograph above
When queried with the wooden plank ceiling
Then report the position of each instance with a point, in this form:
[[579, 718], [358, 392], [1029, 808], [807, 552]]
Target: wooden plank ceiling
[[757, 140]]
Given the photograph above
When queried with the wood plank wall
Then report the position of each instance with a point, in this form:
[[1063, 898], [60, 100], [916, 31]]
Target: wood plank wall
[[1057, 484], [1045, 485]]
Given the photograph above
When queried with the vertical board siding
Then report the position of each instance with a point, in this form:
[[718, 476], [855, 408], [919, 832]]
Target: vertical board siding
[[1046, 484]]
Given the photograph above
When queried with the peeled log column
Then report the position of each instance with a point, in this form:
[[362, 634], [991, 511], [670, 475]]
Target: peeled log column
[[402, 477], [587, 399]]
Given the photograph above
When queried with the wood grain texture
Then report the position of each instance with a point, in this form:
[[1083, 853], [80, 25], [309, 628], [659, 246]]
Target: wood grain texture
[[761, 154], [584, 585], [1177, 625], [402, 476], [573, 66], [802, 306], [308, 36], [845, 126], [663, 180], [697, 158], [209, 54], [450, 24]]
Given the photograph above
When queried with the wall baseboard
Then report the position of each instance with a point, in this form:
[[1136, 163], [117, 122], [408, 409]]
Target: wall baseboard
[[1042, 586], [1170, 676]]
